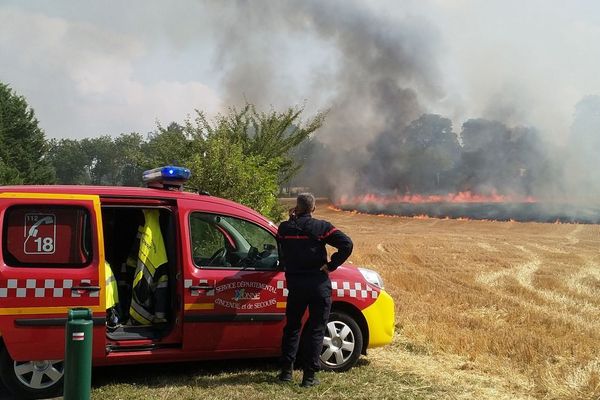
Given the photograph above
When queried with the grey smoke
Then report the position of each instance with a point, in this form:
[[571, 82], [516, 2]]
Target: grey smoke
[[377, 76], [581, 173], [373, 77]]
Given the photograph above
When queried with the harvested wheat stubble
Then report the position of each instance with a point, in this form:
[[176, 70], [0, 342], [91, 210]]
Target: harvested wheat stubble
[[488, 309]]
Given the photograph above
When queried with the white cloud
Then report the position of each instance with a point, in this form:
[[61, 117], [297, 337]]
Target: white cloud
[[81, 78]]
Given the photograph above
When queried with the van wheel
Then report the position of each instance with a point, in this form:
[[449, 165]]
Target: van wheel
[[31, 379], [342, 343]]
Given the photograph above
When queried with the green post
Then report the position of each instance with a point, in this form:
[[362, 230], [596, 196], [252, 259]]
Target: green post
[[78, 354]]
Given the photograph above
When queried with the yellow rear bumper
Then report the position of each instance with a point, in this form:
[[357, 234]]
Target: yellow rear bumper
[[380, 320]]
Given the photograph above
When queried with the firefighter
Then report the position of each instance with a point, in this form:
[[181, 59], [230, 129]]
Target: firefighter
[[150, 294], [302, 241]]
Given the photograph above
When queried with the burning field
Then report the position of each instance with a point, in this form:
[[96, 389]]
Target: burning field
[[470, 206], [487, 309]]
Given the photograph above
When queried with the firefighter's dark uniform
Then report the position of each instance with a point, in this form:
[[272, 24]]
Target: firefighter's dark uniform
[[302, 241]]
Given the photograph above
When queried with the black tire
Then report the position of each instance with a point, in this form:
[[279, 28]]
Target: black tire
[[49, 386], [341, 352]]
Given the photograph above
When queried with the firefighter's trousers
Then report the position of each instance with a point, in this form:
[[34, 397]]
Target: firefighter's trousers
[[312, 292]]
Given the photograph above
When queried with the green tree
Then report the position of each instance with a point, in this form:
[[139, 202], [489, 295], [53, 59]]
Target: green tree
[[246, 155], [23, 144], [171, 145], [102, 160], [69, 161], [130, 159], [9, 175], [272, 135], [223, 169]]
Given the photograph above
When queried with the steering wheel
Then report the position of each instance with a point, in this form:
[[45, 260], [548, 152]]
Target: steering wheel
[[252, 253], [251, 257], [216, 255]]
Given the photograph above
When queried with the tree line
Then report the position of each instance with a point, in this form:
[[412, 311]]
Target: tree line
[[428, 157], [245, 154]]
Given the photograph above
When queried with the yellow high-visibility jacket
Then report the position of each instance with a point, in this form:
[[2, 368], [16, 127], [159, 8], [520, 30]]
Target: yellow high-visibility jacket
[[150, 283], [112, 293]]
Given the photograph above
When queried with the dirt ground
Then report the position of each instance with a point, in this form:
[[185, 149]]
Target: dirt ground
[[487, 309]]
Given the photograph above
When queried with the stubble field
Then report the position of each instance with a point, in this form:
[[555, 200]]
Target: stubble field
[[484, 310], [487, 309]]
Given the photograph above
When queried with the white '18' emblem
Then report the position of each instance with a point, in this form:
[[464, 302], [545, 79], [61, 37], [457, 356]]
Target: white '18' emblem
[[40, 233]]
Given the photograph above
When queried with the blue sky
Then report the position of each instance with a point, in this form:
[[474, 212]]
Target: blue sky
[[91, 68]]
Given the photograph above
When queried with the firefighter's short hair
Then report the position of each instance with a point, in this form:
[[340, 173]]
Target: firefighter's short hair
[[305, 203]]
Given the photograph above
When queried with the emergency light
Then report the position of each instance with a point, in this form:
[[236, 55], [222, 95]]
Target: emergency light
[[168, 177]]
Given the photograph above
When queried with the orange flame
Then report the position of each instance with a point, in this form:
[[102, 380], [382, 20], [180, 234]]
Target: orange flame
[[460, 197]]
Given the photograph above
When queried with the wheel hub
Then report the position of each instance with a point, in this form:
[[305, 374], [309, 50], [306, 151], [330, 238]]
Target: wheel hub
[[41, 366], [336, 342]]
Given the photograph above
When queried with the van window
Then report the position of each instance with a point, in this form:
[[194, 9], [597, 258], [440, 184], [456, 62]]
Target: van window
[[225, 242], [46, 236]]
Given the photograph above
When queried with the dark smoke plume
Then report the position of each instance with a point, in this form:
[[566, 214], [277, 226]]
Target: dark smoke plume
[[376, 76]]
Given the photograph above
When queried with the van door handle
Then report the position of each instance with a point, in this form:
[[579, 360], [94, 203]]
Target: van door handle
[[88, 288], [202, 287]]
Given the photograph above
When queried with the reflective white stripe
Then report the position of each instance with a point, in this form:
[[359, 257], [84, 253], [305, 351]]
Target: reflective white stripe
[[357, 290], [43, 288], [282, 289], [139, 313]]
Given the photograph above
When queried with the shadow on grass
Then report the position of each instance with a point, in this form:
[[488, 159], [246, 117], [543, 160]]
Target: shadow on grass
[[204, 374], [197, 373]]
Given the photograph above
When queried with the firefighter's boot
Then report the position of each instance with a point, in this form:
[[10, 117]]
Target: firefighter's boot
[[309, 379], [285, 375]]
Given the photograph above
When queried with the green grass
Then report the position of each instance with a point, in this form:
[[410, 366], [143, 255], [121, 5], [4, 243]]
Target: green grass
[[252, 379]]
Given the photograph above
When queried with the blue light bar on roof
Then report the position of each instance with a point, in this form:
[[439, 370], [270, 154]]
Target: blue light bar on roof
[[166, 174]]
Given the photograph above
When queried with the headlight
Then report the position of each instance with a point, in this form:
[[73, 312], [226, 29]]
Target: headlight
[[372, 277]]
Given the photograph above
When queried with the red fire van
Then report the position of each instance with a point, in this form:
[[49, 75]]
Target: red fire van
[[226, 291]]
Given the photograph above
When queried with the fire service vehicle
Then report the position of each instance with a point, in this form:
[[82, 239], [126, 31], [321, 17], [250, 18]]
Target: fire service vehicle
[[223, 291]]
